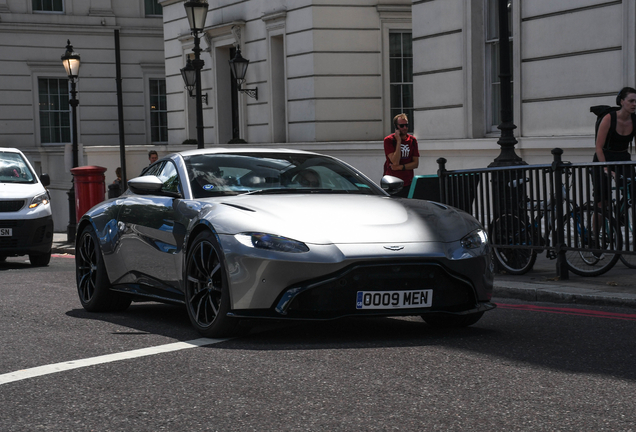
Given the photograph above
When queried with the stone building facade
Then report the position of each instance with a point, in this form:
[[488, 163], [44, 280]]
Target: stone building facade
[[330, 76], [34, 110], [566, 56], [322, 71], [327, 74]]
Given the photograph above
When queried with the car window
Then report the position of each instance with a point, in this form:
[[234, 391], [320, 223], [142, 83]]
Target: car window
[[170, 178], [233, 174], [14, 169], [153, 169]]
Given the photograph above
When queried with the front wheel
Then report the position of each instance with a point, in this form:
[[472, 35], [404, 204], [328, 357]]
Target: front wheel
[[40, 260], [509, 230], [587, 262], [207, 293]]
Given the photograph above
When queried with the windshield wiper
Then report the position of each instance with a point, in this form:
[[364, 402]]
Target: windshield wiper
[[286, 191]]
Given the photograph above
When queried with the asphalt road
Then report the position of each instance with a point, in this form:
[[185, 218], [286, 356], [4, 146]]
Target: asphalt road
[[524, 366]]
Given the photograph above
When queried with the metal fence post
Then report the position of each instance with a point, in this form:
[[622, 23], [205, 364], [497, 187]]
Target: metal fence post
[[441, 174], [557, 171]]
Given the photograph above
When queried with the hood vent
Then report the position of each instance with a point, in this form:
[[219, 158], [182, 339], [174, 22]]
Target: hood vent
[[239, 207]]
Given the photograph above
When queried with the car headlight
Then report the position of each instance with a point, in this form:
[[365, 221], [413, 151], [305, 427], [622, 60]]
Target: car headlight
[[271, 242], [37, 200], [475, 239]]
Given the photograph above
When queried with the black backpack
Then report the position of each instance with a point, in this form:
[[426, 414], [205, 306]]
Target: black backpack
[[601, 111]]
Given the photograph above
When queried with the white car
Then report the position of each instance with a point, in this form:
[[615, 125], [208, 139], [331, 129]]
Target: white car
[[26, 223]]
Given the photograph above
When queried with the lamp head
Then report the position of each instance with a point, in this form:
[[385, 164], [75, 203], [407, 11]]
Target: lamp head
[[238, 65], [189, 75], [71, 61], [197, 11]]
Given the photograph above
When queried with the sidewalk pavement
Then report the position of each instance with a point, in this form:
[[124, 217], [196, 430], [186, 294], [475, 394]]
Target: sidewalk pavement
[[617, 287]]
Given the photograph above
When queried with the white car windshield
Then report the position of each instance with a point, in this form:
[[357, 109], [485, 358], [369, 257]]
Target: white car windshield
[[14, 169], [233, 174]]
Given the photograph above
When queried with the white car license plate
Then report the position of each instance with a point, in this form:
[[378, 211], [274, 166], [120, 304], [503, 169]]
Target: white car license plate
[[394, 299], [6, 232]]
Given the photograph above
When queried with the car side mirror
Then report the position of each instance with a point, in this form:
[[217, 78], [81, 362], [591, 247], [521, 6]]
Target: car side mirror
[[391, 184], [149, 185], [45, 179]]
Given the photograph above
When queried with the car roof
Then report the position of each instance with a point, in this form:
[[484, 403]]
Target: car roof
[[246, 150], [10, 150]]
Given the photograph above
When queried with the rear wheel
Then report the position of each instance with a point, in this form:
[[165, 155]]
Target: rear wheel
[[509, 230], [587, 262], [207, 293], [452, 321], [93, 285], [40, 260]]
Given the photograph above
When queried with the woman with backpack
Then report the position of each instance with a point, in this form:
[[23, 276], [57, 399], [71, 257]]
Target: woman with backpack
[[616, 129]]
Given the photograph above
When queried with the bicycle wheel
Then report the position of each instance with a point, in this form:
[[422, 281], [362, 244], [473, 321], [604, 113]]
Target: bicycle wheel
[[586, 262], [510, 230], [627, 229]]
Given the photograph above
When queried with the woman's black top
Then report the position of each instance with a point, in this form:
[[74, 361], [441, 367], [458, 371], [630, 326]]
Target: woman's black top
[[616, 145]]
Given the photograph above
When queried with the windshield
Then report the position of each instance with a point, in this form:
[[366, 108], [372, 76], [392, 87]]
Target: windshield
[[234, 174], [14, 169]]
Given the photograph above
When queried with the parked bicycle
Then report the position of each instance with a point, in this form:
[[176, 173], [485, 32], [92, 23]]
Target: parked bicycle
[[624, 209], [530, 227]]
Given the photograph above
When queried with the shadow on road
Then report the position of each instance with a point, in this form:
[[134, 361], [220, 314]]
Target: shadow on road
[[560, 342]]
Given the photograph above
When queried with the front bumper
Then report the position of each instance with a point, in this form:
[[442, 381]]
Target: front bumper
[[29, 236], [335, 296]]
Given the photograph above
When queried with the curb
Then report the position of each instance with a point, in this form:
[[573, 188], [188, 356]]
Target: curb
[[63, 249], [560, 294]]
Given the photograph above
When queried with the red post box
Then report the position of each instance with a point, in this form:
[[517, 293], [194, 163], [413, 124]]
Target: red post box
[[90, 187]]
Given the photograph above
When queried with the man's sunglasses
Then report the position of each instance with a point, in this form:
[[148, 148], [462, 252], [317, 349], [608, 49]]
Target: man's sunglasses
[[403, 125]]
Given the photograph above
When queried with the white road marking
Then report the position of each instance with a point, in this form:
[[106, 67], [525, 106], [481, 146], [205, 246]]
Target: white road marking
[[92, 361]]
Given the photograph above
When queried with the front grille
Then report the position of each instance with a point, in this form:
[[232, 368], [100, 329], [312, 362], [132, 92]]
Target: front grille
[[11, 206], [337, 295]]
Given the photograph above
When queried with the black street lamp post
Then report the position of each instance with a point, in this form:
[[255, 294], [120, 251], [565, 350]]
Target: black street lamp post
[[197, 11], [71, 62], [507, 140]]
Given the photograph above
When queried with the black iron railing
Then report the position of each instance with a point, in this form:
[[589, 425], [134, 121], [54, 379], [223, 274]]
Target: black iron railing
[[577, 213]]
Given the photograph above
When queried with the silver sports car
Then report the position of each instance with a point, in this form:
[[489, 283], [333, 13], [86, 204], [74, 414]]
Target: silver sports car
[[237, 234]]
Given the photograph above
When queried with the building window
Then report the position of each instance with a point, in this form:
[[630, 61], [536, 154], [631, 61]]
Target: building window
[[48, 5], [153, 8], [158, 111], [401, 74], [55, 124], [493, 86]]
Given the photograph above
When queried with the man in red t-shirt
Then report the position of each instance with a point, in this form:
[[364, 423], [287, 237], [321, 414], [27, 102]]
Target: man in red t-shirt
[[402, 154]]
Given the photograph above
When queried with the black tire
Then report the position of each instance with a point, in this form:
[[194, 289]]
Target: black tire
[[508, 230], [585, 262], [452, 321], [40, 260], [207, 293], [93, 286], [3, 258], [629, 260]]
